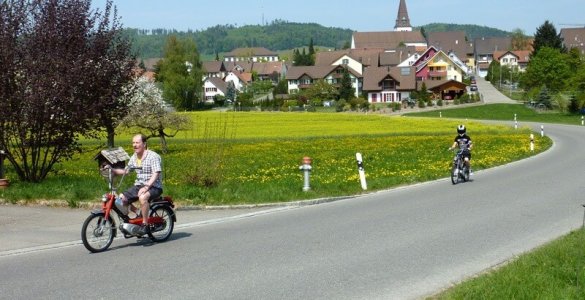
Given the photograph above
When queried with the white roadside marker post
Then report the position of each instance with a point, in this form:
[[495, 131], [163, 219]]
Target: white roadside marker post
[[361, 171], [532, 142]]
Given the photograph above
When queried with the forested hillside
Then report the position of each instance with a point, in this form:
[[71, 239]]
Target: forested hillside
[[276, 36]]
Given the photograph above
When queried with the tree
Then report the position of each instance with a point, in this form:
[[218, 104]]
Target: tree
[[544, 97], [320, 90], [311, 54], [346, 90], [546, 36], [231, 91], [180, 73], [423, 96], [149, 112], [64, 69], [548, 66], [519, 40]]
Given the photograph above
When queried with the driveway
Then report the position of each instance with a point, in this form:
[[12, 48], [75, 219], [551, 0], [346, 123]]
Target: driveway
[[490, 94]]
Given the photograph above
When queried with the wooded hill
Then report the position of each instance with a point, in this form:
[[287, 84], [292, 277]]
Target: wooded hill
[[277, 36]]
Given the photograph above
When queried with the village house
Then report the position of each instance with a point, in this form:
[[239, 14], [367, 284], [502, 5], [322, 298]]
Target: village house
[[574, 38], [258, 54]]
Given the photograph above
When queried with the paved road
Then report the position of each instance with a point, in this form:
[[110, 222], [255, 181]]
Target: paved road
[[490, 94], [403, 243]]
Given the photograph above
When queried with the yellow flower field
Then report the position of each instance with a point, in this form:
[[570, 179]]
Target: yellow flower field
[[255, 157]]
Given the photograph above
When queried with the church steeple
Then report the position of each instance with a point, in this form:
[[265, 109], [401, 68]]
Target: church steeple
[[402, 20]]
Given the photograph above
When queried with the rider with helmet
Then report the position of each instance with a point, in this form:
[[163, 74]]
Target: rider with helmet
[[463, 141]]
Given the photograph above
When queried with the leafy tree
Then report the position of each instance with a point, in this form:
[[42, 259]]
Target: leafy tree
[[548, 66], [546, 36], [346, 90], [149, 112], [493, 74], [180, 73], [64, 69], [320, 90], [519, 40]]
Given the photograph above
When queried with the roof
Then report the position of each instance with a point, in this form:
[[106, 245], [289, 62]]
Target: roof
[[231, 65], [218, 83], [213, 66], [397, 56], [574, 38], [455, 41], [373, 76], [367, 57], [386, 39], [489, 45], [315, 72], [444, 84], [267, 68], [523, 56], [249, 52]]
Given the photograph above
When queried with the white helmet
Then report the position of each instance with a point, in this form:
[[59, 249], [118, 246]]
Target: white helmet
[[461, 129]]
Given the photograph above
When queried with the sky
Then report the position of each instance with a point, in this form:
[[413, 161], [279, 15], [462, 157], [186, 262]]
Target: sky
[[362, 16]]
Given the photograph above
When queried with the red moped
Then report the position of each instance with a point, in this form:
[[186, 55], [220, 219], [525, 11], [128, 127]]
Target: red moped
[[101, 227]]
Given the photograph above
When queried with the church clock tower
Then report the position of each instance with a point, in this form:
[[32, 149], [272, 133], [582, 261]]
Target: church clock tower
[[402, 20]]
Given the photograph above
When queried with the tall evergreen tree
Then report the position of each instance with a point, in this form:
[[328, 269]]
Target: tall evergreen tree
[[546, 36], [346, 90]]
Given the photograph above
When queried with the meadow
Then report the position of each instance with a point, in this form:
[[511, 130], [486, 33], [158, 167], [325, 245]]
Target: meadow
[[235, 158]]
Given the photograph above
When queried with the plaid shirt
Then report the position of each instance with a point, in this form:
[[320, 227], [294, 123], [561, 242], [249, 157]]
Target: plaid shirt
[[151, 163]]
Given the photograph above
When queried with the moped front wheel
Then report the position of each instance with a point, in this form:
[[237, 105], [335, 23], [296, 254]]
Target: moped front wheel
[[162, 225], [454, 174], [97, 233], [465, 172]]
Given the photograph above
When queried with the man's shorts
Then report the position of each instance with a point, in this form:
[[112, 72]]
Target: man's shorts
[[132, 193]]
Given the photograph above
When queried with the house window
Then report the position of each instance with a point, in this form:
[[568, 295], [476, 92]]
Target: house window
[[374, 98], [345, 61], [211, 89]]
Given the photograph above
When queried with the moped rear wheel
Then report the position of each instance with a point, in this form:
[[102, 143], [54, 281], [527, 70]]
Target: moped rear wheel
[[97, 233], [161, 231]]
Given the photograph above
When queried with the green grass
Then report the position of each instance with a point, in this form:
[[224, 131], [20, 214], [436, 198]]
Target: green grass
[[553, 271], [254, 158], [504, 112]]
